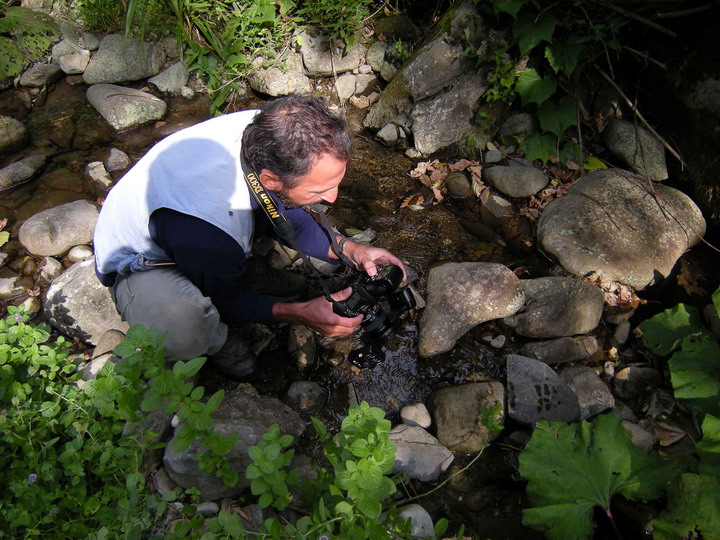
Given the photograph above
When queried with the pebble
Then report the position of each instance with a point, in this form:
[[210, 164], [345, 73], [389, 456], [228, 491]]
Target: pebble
[[416, 414], [79, 253]]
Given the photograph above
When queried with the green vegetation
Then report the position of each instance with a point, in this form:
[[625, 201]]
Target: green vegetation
[[573, 468], [25, 36]]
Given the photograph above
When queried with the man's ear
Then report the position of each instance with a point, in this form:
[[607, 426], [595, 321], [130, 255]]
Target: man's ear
[[270, 180]]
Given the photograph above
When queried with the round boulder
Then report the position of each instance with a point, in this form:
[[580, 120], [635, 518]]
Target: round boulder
[[54, 231]]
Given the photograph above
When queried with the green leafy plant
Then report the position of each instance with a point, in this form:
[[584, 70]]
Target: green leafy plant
[[68, 467], [267, 474], [25, 36], [694, 365], [491, 417], [339, 20], [571, 468]]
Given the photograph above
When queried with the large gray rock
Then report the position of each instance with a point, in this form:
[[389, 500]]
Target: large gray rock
[[320, 61], [246, 413], [637, 148], [438, 65], [79, 306], [173, 80], [535, 391], [439, 122], [614, 223], [461, 412], [463, 295], [41, 75], [418, 454], [276, 81], [516, 182], [560, 350], [13, 135], [54, 231], [21, 171], [558, 307], [123, 107], [123, 59], [592, 393]]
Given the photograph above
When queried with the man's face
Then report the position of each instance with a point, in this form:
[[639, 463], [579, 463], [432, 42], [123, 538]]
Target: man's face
[[319, 184]]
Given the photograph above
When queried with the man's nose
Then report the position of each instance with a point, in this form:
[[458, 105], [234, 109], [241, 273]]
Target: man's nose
[[330, 196]]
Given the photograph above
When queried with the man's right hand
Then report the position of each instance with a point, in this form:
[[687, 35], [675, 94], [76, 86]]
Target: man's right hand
[[318, 314]]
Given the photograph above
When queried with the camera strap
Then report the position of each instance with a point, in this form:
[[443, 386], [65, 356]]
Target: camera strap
[[284, 227]]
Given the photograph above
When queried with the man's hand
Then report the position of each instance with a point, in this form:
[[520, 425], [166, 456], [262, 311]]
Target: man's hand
[[368, 258], [318, 314]]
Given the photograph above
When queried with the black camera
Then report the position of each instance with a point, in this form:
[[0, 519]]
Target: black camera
[[377, 298]]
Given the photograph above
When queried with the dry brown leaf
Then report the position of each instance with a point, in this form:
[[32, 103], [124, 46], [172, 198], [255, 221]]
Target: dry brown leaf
[[438, 191], [3, 223], [667, 434], [438, 175], [34, 292], [461, 165]]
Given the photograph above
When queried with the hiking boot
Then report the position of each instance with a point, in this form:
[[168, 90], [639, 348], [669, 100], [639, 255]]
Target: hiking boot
[[236, 358], [262, 278]]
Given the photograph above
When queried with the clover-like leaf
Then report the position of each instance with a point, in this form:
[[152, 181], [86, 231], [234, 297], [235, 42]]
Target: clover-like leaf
[[530, 30], [532, 88], [558, 117], [572, 468]]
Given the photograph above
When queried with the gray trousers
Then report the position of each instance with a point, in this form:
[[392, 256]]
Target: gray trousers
[[165, 300]]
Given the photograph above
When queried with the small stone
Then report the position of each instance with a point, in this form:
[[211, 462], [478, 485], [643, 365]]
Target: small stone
[[302, 346], [162, 482], [50, 268], [99, 176], [117, 160], [41, 75], [592, 393], [306, 396], [419, 454], [634, 381], [388, 134], [421, 522], [32, 304], [108, 341], [74, 64], [207, 508], [458, 185], [621, 333], [416, 414], [79, 253], [639, 436], [617, 315], [10, 287], [493, 156], [13, 135]]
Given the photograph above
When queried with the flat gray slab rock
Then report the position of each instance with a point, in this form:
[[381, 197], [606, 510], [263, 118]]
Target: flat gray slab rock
[[419, 454], [556, 307], [463, 295], [21, 171], [592, 393], [637, 147], [536, 392], [79, 306], [516, 182], [628, 229], [123, 107], [560, 350]]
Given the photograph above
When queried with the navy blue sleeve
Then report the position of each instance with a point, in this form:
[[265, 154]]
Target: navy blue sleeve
[[311, 236], [213, 261]]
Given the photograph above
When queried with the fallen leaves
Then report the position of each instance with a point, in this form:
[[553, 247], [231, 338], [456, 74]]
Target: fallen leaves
[[616, 294], [432, 174]]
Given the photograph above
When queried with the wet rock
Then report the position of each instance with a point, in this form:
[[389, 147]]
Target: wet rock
[[463, 295], [46, 200], [634, 381], [302, 346], [13, 135], [306, 396], [245, 412], [79, 253], [460, 414], [123, 107], [517, 127], [535, 392], [458, 185], [122, 59], [419, 454], [416, 414], [614, 223], [564, 349], [318, 59], [74, 64], [98, 176], [640, 437], [442, 121], [592, 393], [637, 148], [173, 80], [54, 231], [558, 307], [274, 81], [421, 522], [117, 160], [41, 75], [79, 306], [21, 171], [516, 182], [11, 287]]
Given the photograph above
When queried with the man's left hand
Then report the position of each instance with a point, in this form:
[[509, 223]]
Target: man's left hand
[[369, 259]]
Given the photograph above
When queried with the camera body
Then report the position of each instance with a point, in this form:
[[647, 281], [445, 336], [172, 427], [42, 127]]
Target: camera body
[[376, 298]]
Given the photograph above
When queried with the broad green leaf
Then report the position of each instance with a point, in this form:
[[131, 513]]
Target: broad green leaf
[[214, 402], [441, 526], [534, 89], [537, 146], [693, 510], [370, 507], [564, 57], [4, 237], [593, 164], [508, 6], [695, 372], [709, 446], [557, 117], [570, 152], [529, 30], [572, 468], [664, 332]]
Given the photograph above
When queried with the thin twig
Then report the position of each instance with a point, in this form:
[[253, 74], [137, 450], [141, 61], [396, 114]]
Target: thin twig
[[682, 13], [648, 22], [640, 117], [646, 57]]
